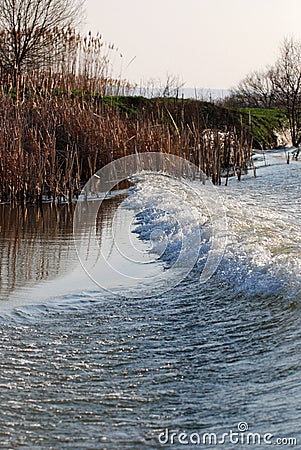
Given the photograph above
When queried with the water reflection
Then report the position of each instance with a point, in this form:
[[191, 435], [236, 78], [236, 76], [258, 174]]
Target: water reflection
[[36, 243]]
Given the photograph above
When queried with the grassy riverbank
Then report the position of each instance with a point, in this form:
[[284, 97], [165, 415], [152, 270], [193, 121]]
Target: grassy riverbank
[[262, 125]]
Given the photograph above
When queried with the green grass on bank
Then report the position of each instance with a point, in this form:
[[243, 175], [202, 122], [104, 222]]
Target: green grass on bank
[[264, 124], [261, 124]]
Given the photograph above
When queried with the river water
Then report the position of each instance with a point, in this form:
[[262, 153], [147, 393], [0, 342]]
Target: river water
[[86, 368]]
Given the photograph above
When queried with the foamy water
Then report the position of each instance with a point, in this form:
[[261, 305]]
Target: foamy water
[[262, 229]]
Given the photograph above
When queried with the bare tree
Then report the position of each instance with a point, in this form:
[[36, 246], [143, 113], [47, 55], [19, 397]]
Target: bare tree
[[172, 86], [256, 90], [278, 86], [31, 29], [287, 85]]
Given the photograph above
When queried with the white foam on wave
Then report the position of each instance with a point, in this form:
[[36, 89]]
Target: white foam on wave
[[264, 252], [263, 255], [166, 211]]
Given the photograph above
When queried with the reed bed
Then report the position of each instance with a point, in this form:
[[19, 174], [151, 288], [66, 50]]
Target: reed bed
[[52, 146], [58, 127]]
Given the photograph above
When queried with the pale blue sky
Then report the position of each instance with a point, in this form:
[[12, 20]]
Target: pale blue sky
[[206, 43]]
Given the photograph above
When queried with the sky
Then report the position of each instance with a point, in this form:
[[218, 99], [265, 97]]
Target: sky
[[203, 43]]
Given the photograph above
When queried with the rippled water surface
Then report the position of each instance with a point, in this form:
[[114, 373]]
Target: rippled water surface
[[82, 368]]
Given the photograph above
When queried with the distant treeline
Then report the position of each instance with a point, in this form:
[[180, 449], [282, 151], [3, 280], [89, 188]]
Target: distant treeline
[[277, 87]]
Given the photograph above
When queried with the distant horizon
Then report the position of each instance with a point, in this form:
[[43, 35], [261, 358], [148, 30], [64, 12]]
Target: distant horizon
[[199, 93]]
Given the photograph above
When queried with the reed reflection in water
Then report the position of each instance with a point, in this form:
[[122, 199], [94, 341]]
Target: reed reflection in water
[[36, 243]]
